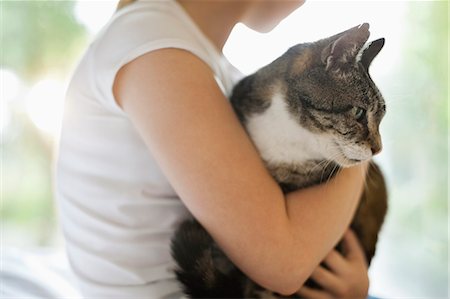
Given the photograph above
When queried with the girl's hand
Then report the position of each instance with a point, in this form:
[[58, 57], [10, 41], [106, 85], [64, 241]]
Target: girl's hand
[[347, 276]]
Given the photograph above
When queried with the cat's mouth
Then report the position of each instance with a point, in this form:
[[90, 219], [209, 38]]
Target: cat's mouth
[[343, 160], [347, 162]]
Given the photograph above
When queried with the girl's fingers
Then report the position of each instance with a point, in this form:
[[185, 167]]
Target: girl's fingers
[[309, 293], [354, 248], [327, 280], [335, 261]]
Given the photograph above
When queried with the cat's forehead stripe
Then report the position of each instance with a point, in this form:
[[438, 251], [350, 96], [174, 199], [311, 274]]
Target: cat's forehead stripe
[[301, 61]]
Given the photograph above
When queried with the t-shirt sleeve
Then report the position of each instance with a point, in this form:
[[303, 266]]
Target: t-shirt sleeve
[[134, 33]]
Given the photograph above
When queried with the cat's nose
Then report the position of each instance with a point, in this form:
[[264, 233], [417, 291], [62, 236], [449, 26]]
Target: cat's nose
[[376, 148], [375, 144]]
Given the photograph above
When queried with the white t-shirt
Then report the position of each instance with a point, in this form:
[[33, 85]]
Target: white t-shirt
[[117, 209]]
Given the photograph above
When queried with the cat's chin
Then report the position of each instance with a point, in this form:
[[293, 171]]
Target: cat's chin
[[346, 162], [349, 163], [342, 159]]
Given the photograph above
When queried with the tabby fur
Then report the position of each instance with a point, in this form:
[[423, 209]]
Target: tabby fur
[[311, 112]]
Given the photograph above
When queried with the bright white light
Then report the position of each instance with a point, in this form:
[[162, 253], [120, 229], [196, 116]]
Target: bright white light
[[45, 105], [10, 85], [249, 50], [94, 14], [5, 117]]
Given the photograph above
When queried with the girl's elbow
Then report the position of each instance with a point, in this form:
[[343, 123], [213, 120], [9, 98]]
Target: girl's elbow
[[288, 290], [287, 282], [287, 270], [287, 287]]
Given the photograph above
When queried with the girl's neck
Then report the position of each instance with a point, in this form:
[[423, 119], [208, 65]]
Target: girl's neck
[[215, 19]]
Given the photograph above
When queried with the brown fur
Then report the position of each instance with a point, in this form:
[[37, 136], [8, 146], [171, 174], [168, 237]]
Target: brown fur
[[371, 211], [321, 83]]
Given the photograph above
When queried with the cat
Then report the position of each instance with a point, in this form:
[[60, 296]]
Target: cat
[[310, 112]]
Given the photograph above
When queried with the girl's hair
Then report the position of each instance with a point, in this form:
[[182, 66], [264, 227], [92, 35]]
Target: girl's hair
[[123, 3]]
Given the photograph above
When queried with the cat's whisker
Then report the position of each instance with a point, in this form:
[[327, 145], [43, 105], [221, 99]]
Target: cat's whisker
[[318, 165], [323, 164], [324, 169], [329, 161], [294, 123], [332, 172]]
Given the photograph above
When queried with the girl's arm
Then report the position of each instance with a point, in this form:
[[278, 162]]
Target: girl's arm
[[189, 126], [345, 275]]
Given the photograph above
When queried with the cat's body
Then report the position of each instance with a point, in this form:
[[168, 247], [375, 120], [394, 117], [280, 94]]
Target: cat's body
[[309, 113]]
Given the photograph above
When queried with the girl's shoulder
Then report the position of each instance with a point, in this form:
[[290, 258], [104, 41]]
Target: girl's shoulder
[[144, 26], [140, 28]]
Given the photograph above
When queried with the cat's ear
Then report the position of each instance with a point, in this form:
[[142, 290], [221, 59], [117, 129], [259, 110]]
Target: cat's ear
[[342, 52], [371, 52]]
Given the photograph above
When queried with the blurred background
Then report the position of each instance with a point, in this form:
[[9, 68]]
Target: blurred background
[[43, 40]]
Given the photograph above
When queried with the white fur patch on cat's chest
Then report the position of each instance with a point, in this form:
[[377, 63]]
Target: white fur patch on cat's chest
[[280, 138]]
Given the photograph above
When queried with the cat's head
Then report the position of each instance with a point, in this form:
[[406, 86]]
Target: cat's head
[[330, 93]]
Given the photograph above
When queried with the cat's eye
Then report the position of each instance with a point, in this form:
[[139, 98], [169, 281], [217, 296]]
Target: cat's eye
[[358, 112]]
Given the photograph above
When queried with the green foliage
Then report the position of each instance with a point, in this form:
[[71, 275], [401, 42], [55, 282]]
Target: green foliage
[[27, 201], [417, 141], [38, 36], [42, 36], [427, 70]]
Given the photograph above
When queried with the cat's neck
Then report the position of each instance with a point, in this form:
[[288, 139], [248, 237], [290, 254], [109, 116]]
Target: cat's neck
[[280, 139], [293, 177]]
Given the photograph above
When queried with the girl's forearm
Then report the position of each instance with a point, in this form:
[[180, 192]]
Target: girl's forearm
[[320, 215]]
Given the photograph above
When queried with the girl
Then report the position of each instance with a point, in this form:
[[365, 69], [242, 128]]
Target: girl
[[150, 138]]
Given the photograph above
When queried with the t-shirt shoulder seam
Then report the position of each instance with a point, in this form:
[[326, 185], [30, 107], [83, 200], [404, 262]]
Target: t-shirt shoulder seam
[[146, 48], [168, 43]]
